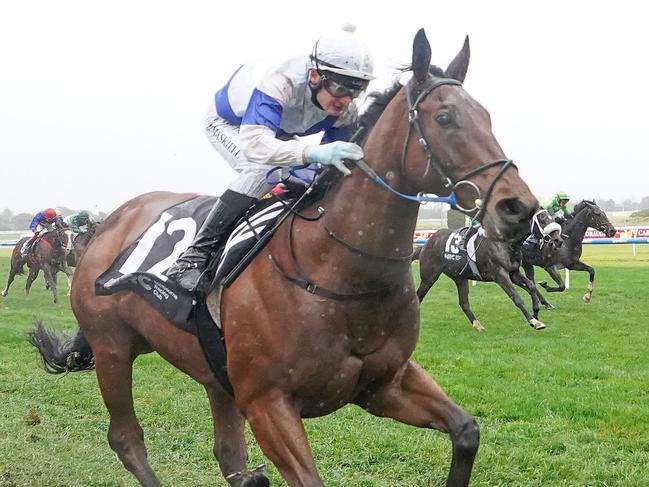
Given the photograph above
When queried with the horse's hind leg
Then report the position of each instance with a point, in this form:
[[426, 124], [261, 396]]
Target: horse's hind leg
[[229, 441], [12, 275], [414, 398], [428, 279], [463, 299], [556, 277], [113, 364], [529, 273]]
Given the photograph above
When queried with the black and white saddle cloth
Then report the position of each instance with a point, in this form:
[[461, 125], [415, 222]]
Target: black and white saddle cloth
[[140, 267], [460, 252]]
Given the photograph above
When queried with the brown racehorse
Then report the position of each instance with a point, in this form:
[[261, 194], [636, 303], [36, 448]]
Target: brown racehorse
[[47, 254], [291, 352]]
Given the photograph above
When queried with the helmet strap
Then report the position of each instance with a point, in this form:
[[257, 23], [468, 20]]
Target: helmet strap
[[315, 87]]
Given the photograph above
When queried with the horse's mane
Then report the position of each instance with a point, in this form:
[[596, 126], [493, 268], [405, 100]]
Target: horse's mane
[[375, 105], [378, 100], [583, 204]]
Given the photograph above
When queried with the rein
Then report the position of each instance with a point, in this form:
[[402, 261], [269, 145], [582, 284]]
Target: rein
[[308, 285], [432, 161], [364, 253]]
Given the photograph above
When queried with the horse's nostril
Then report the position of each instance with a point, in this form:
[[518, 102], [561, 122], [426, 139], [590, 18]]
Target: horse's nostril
[[513, 209]]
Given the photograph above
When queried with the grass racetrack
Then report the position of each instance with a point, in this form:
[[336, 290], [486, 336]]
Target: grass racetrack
[[566, 406]]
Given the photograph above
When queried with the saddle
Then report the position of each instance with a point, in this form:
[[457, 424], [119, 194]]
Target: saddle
[[140, 267]]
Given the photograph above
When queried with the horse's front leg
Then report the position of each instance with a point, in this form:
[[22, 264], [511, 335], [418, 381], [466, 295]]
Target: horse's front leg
[[50, 279], [277, 426], [523, 282], [31, 277], [580, 266], [229, 441], [504, 281], [70, 283], [414, 398]]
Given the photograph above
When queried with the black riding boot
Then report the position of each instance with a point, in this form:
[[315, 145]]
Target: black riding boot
[[189, 267], [27, 248]]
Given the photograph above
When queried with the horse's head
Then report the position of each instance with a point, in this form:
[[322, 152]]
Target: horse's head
[[450, 148], [57, 236], [595, 217], [544, 227]]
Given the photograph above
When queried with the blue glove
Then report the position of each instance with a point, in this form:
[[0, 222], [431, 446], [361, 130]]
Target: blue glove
[[333, 154]]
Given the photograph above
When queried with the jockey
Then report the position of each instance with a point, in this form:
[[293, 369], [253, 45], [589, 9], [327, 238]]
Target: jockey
[[253, 122], [558, 206], [43, 222], [78, 222]]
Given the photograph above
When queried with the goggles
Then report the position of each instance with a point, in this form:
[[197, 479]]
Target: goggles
[[339, 89]]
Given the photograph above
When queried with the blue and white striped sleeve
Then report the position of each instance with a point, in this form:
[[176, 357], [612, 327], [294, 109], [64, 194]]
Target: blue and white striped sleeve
[[258, 131]]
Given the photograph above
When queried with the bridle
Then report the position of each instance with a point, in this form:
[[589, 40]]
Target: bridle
[[414, 122]]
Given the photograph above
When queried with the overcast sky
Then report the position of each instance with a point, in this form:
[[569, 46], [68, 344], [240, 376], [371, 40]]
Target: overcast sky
[[102, 101]]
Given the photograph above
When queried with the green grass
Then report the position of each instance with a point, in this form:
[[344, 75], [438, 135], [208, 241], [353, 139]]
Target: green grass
[[567, 406]]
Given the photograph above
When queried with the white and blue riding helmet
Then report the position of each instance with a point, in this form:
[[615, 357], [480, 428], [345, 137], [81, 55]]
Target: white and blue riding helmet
[[345, 58]]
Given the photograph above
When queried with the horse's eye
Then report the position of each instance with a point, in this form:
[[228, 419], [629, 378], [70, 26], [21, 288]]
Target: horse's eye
[[443, 118]]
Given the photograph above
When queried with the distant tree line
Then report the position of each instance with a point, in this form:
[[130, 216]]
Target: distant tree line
[[438, 210], [21, 221], [626, 205]]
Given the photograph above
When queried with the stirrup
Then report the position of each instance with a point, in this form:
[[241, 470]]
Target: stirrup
[[190, 278], [177, 268]]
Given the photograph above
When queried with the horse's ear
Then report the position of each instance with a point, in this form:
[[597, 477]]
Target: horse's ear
[[459, 66], [420, 55]]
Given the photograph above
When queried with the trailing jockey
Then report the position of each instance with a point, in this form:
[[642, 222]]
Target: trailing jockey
[[43, 222], [558, 206], [79, 222]]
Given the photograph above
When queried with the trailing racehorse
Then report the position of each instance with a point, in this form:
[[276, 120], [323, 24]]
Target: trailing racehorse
[[79, 244], [326, 314], [585, 214], [46, 254], [455, 254]]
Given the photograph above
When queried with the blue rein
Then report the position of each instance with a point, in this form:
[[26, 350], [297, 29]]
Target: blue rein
[[420, 198]]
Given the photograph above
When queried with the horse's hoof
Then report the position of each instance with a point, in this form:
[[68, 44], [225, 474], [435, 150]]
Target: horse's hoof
[[477, 325], [256, 480], [252, 478], [587, 298], [549, 306], [536, 324]]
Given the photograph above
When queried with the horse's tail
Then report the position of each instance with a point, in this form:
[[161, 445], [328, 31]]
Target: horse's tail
[[63, 353], [416, 253]]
